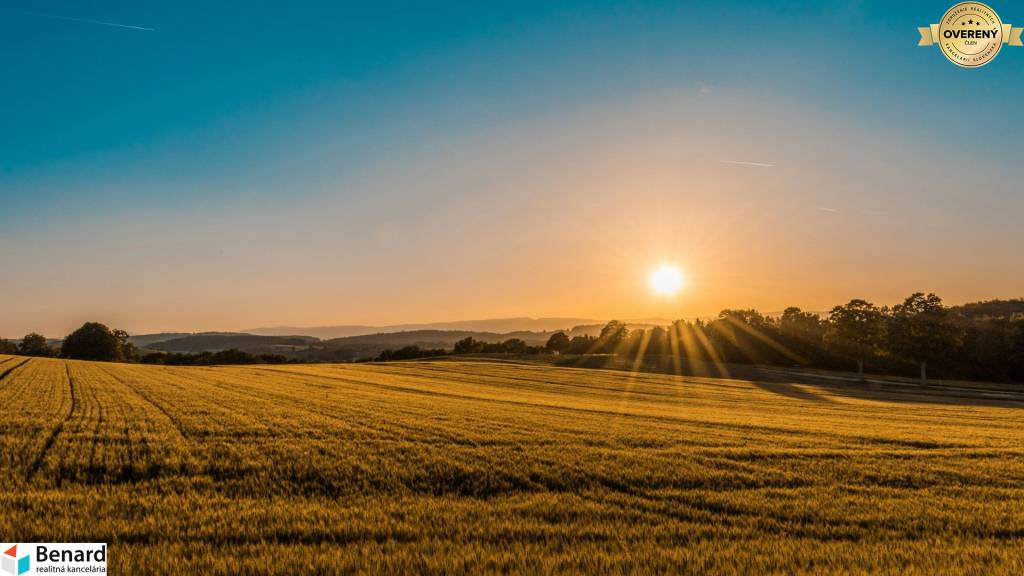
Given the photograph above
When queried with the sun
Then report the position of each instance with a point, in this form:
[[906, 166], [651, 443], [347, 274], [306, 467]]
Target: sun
[[667, 280]]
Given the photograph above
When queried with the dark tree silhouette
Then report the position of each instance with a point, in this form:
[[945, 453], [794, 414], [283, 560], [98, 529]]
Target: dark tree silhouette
[[582, 345], [613, 333], [657, 342], [34, 345], [856, 329], [129, 353], [514, 346], [8, 347], [804, 333], [93, 341], [558, 342], [920, 331], [467, 346], [748, 336], [408, 353]]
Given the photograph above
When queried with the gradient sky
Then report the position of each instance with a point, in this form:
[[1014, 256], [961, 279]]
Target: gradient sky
[[244, 164]]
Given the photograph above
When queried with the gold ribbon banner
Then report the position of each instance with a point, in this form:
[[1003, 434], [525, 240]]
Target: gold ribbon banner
[[930, 35]]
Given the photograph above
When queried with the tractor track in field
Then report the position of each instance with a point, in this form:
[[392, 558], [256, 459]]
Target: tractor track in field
[[175, 422], [532, 404], [8, 371], [52, 438], [285, 399], [289, 400], [93, 467]]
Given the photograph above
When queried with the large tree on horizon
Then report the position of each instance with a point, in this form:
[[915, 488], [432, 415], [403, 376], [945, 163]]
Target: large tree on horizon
[[920, 330], [94, 341], [558, 342], [34, 345], [612, 334], [857, 329]]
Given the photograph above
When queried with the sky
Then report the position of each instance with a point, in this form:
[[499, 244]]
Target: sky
[[222, 166]]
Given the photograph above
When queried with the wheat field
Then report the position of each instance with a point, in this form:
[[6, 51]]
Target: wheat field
[[466, 467]]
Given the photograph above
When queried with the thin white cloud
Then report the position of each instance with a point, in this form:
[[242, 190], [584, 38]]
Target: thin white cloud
[[88, 21], [826, 209], [745, 163]]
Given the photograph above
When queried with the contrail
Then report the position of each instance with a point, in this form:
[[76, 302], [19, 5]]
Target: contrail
[[87, 21], [824, 209], [743, 163]]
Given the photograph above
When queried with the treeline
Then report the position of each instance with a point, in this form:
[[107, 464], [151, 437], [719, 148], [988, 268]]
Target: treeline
[[219, 358], [95, 341], [409, 353], [467, 345], [918, 337]]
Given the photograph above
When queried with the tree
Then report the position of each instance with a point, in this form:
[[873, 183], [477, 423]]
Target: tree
[[857, 329], [8, 347], [558, 342], [799, 325], [467, 346], [746, 336], [34, 345], [408, 353], [920, 330], [129, 352], [803, 333], [657, 342], [514, 346], [93, 341], [613, 333], [692, 340], [583, 344]]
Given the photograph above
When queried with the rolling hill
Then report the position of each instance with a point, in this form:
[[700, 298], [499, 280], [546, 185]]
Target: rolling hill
[[499, 325], [146, 340], [213, 342], [370, 345]]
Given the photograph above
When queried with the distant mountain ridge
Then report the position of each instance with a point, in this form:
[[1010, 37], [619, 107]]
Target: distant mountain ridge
[[144, 340], [370, 345], [408, 337], [438, 334], [496, 325], [337, 349]]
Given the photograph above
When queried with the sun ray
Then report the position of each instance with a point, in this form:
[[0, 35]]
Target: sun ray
[[771, 343]]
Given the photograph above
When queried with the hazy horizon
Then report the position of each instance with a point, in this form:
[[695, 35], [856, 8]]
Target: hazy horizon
[[335, 164], [577, 320]]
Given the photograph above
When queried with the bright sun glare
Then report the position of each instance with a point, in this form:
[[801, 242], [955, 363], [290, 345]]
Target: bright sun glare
[[666, 280]]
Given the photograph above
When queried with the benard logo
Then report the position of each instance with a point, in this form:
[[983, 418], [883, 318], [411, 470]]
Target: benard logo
[[53, 558], [13, 564]]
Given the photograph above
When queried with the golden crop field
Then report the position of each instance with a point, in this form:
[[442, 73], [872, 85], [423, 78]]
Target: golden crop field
[[464, 467]]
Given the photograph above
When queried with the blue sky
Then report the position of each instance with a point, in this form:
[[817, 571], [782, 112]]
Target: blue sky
[[234, 120]]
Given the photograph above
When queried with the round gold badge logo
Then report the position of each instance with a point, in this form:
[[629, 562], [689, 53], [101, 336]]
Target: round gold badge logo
[[970, 34]]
